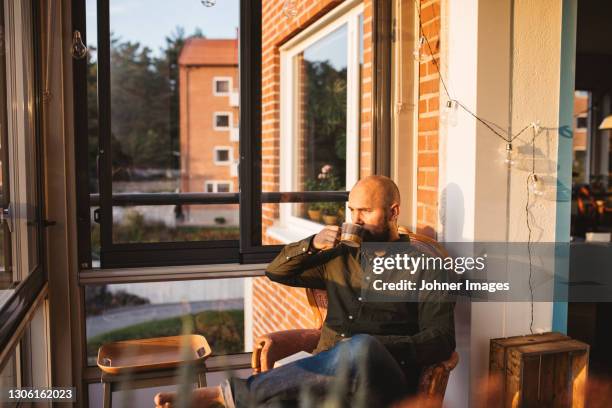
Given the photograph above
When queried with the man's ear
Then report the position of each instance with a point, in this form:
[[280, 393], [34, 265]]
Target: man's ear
[[395, 211]]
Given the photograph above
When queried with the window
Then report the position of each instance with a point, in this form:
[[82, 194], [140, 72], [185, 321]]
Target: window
[[581, 122], [222, 121], [22, 278], [320, 122], [218, 186], [224, 187], [223, 155], [222, 86], [147, 168]]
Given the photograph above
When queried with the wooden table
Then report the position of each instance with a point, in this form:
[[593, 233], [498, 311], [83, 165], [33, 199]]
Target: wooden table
[[146, 363]]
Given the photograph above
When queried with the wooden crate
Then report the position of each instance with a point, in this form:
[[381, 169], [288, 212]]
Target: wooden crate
[[547, 375], [498, 357]]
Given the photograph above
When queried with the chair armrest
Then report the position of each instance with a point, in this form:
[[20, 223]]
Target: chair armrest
[[272, 347], [434, 378]]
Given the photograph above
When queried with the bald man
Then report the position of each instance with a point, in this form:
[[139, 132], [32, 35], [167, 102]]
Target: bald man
[[369, 354]]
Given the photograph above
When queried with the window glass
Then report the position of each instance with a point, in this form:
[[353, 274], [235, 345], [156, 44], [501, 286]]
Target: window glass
[[315, 146], [163, 127], [222, 121], [166, 223], [222, 155], [219, 309], [223, 188], [222, 86]]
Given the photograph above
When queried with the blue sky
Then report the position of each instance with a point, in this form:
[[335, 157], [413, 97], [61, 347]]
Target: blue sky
[[150, 21]]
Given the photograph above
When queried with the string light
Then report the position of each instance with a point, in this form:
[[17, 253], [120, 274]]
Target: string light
[[536, 185], [510, 155]]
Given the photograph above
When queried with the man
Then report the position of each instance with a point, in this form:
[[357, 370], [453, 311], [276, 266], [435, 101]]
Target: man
[[379, 347]]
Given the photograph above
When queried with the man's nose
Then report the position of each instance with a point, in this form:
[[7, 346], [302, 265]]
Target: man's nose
[[357, 218]]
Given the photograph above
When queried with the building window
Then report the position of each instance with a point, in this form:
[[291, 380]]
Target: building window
[[581, 122], [222, 86], [320, 119], [222, 120], [214, 186], [223, 155]]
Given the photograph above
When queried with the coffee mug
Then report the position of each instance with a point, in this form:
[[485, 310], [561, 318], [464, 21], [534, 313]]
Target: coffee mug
[[352, 234]]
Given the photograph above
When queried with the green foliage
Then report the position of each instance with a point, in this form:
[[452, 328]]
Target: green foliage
[[326, 118], [144, 106]]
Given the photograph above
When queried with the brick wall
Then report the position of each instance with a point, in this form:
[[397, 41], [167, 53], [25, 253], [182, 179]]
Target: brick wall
[[277, 307], [429, 117]]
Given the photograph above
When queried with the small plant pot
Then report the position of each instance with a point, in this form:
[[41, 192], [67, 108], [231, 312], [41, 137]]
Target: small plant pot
[[330, 219], [314, 215]]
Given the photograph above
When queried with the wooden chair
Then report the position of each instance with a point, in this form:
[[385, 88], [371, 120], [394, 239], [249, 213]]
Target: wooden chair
[[272, 347]]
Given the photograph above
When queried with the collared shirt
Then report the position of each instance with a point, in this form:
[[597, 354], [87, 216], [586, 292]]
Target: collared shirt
[[415, 333]]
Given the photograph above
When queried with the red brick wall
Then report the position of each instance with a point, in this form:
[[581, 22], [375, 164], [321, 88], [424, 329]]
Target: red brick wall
[[429, 118], [276, 307]]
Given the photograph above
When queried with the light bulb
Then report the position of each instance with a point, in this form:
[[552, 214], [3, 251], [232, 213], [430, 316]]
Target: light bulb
[[536, 185], [419, 53], [510, 156], [79, 50], [449, 113], [290, 8]]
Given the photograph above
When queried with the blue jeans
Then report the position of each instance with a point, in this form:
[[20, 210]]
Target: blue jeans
[[356, 372]]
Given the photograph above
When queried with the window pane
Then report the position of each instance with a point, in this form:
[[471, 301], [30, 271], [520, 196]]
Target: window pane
[[222, 86], [321, 114], [163, 129], [222, 120], [213, 308], [223, 188], [168, 223], [316, 139], [222, 155]]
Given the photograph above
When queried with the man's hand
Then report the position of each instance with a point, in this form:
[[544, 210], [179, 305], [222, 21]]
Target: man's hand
[[327, 238]]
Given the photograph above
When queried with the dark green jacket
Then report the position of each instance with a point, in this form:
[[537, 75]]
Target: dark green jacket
[[416, 334]]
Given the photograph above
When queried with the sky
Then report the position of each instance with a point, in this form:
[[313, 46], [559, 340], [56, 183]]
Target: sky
[[150, 21]]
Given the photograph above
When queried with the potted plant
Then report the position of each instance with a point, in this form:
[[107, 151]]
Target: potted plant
[[330, 213], [314, 212], [326, 180]]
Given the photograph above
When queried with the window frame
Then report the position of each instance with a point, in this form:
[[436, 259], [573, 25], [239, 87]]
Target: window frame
[[248, 249], [218, 79], [230, 121], [288, 224], [31, 289]]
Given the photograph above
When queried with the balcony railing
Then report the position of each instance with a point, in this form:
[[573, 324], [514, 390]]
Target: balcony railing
[[132, 199]]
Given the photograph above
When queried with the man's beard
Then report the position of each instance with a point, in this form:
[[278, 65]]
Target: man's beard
[[381, 236]]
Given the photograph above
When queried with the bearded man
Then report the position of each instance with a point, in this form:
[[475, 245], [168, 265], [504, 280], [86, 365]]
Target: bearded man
[[369, 353]]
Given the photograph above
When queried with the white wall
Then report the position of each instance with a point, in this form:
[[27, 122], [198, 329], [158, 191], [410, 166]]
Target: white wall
[[502, 60]]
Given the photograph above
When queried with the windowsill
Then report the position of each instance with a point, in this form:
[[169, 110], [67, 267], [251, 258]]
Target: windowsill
[[290, 233]]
